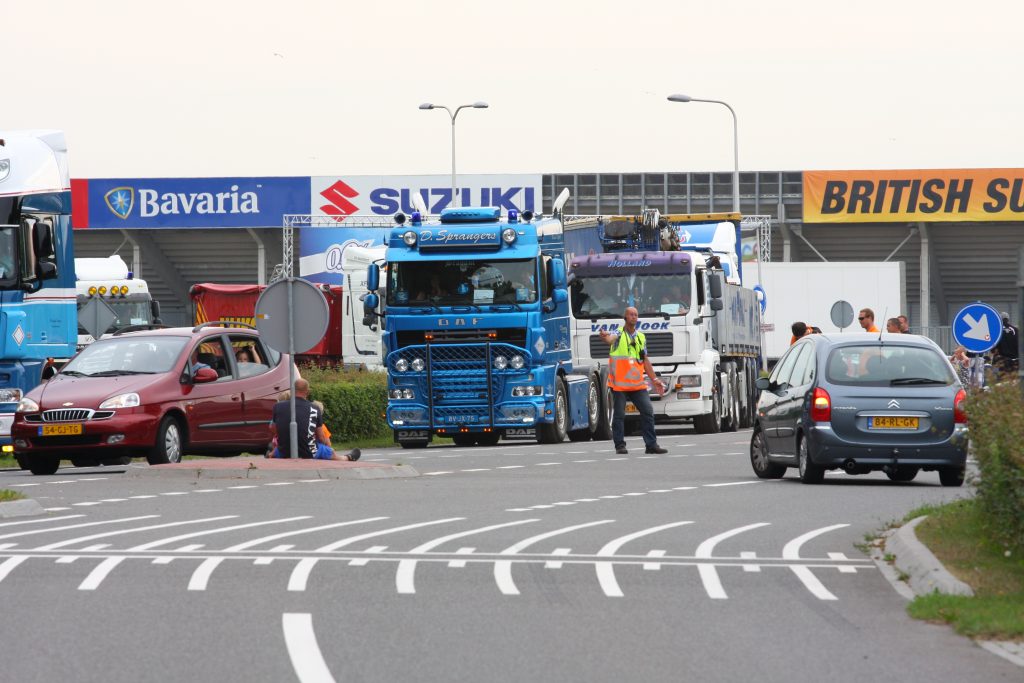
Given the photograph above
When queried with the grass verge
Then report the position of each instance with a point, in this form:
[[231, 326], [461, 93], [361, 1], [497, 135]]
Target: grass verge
[[958, 536], [9, 495]]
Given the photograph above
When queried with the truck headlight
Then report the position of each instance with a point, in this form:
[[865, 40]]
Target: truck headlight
[[401, 365], [10, 395], [5, 168], [27, 405], [500, 362], [508, 235], [409, 237], [687, 381], [418, 364], [121, 401], [527, 391], [408, 393], [517, 362]]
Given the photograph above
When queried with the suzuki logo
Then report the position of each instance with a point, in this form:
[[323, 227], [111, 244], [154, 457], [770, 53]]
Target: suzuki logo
[[120, 201], [338, 195], [894, 403]]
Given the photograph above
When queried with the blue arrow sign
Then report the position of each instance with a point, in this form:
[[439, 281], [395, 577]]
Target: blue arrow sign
[[762, 298], [977, 327]]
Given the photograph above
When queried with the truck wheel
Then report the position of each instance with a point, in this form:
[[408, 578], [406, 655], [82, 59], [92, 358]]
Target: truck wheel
[[747, 411], [732, 422], [555, 431], [44, 466], [170, 443], [711, 423], [593, 415], [604, 417]]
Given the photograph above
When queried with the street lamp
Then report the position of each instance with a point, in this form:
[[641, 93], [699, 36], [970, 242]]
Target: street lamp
[[453, 114], [735, 146]]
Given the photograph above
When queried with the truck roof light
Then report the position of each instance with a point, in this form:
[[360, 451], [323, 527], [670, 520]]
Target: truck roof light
[[400, 218], [409, 237], [508, 235], [527, 216], [485, 214], [417, 218], [102, 290], [124, 290], [92, 291], [513, 216]]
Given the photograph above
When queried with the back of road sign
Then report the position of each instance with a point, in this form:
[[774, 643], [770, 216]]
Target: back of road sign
[[308, 310], [977, 327]]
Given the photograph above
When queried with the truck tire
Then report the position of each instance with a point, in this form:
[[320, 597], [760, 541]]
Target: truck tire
[[593, 413], [711, 423], [748, 410], [554, 432], [732, 422], [604, 418]]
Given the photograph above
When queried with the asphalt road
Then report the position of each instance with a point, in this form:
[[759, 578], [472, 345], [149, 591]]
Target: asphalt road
[[522, 562]]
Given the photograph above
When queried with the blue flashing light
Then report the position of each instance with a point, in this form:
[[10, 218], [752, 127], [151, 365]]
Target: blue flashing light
[[130, 275], [513, 216], [484, 214], [416, 218]]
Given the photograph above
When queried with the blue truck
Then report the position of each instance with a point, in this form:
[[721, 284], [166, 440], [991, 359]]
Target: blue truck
[[477, 333], [38, 314]]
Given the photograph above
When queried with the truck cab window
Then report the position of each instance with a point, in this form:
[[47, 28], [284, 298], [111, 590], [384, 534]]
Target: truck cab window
[[8, 272]]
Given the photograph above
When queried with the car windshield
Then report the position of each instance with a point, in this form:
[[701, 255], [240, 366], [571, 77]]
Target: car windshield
[[606, 297], [126, 356], [888, 365], [446, 283]]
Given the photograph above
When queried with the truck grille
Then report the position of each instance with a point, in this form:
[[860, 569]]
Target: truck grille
[[658, 344]]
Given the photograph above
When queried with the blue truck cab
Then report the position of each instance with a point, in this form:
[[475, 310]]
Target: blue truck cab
[[477, 337], [38, 316]]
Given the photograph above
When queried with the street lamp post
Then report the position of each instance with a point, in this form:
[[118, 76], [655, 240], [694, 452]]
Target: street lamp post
[[735, 145], [453, 115]]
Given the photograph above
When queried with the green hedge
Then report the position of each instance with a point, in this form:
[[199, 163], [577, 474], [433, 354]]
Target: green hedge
[[996, 420], [354, 402]]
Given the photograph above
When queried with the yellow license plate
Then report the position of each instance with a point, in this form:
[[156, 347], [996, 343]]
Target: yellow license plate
[[60, 430], [630, 408], [894, 422]]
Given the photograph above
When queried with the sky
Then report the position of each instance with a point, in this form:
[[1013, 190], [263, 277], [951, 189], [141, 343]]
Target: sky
[[252, 88]]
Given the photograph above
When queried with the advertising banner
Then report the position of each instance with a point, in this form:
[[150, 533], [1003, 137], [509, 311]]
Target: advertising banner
[[322, 249], [914, 195], [187, 202]]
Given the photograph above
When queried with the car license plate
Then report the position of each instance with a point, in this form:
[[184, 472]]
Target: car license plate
[[892, 422], [60, 430], [630, 408]]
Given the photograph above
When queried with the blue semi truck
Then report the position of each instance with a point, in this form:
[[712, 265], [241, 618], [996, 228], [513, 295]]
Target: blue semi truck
[[477, 332], [38, 315]]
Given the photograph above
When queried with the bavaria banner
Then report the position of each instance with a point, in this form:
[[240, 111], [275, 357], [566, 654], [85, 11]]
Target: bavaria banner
[[187, 202], [348, 201], [914, 195]]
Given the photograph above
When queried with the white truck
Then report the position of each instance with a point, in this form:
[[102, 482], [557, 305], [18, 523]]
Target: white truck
[[361, 342], [111, 280], [701, 325], [806, 292]]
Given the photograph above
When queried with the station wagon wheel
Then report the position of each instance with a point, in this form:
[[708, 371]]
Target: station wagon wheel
[[903, 473], [809, 472], [169, 445], [948, 476], [763, 467]]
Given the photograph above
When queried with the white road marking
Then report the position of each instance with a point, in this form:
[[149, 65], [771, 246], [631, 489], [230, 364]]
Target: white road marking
[[163, 559], [82, 539], [611, 497], [635, 493], [511, 467], [9, 564], [606, 570], [96, 576], [708, 572], [37, 521], [279, 483], [207, 491], [247, 486], [177, 493], [683, 488], [300, 575], [791, 551], [554, 564], [653, 566], [189, 548], [517, 509], [5, 546], [503, 568], [646, 457], [20, 486], [732, 483], [84, 504], [584, 461], [460, 564], [566, 502], [611, 459], [76, 526], [431, 474], [55, 509], [312, 481], [587, 500], [92, 479], [405, 574], [141, 497], [477, 469], [300, 639], [113, 500], [660, 491], [362, 561], [812, 583], [748, 555], [545, 464], [66, 560]]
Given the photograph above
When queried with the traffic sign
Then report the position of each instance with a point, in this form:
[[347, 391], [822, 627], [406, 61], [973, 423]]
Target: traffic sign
[[762, 298], [307, 309], [977, 327], [96, 316], [841, 314]]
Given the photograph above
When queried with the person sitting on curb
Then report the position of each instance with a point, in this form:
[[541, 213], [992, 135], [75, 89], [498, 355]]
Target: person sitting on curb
[[313, 438]]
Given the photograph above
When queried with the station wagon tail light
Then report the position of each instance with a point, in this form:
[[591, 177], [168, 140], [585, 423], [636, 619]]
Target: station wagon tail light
[[959, 414], [821, 406]]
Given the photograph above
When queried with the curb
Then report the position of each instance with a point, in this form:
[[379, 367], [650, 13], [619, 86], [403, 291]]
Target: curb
[[26, 507], [926, 573]]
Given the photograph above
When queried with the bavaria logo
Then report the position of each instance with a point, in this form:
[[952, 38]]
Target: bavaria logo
[[120, 201]]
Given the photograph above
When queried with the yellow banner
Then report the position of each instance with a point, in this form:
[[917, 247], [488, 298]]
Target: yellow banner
[[986, 194]]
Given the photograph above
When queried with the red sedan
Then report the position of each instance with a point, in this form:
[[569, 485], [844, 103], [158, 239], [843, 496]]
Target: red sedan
[[158, 394]]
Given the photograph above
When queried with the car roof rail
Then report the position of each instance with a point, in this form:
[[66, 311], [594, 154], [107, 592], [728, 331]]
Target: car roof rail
[[139, 328], [223, 323]]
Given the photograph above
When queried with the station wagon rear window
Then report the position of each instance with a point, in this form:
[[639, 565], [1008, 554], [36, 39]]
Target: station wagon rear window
[[888, 365]]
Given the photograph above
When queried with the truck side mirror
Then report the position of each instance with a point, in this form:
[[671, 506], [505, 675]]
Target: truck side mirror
[[560, 295], [715, 283], [557, 273], [42, 239], [717, 305], [372, 278], [154, 307], [370, 303]]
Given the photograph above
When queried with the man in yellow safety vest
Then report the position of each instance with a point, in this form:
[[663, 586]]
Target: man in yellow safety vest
[[627, 363]]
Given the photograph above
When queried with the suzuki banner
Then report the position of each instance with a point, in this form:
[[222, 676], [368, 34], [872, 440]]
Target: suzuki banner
[[349, 200], [187, 202], [908, 196]]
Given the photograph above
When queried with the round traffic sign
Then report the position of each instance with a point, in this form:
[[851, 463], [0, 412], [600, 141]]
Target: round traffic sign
[[977, 327], [842, 314], [762, 298], [308, 310]]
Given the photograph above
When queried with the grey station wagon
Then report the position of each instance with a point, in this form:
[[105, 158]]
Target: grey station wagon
[[861, 402]]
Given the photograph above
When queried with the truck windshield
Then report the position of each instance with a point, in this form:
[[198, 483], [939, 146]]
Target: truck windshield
[[128, 313], [607, 297], [8, 274], [446, 283]]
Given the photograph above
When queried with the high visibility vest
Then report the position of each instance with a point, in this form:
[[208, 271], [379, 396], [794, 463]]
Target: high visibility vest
[[625, 368]]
